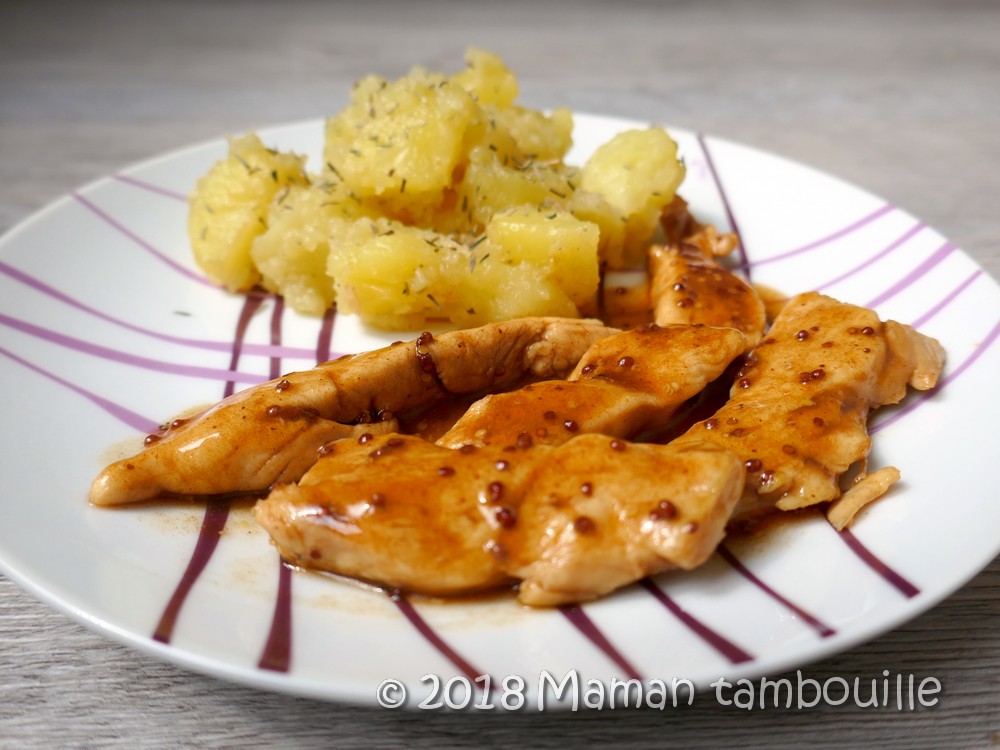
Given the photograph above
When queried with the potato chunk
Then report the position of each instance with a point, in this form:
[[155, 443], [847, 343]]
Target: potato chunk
[[528, 263], [637, 173], [400, 142], [439, 199], [291, 254], [229, 206]]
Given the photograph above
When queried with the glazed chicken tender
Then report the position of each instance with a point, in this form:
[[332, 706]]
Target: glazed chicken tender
[[570, 522], [624, 384], [798, 411], [272, 432], [689, 286]]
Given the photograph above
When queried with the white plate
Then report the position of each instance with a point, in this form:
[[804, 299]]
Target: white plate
[[107, 330]]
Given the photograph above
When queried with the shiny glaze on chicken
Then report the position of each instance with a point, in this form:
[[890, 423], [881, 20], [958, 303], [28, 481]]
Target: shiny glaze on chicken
[[688, 286], [798, 410], [271, 432], [570, 522], [624, 384]]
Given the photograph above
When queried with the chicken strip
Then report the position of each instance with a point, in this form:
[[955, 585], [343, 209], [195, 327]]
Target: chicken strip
[[680, 225], [687, 286], [571, 522], [798, 409], [625, 383], [271, 432]]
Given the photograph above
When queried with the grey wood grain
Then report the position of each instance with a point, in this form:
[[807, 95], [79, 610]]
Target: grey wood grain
[[897, 97]]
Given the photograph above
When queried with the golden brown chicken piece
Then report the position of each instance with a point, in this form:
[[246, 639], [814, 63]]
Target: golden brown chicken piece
[[687, 286], [681, 226], [624, 384], [798, 409], [271, 432], [572, 522]]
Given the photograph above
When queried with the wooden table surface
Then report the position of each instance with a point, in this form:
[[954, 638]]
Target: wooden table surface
[[897, 97]]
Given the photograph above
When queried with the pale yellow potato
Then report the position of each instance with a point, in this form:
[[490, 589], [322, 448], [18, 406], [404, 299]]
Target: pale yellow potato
[[490, 188], [229, 205], [540, 137], [637, 172], [291, 254], [395, 276], [487, 79], [400, 142], [527, 263], [439, 198], [551, 245]]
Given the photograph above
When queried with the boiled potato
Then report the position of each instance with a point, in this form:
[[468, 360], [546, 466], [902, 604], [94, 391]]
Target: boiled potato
[[396, 276], [291, 254], [490, 188], [439, 198], [229, 208], [401, 142], [637, 172], [552, 245], [539, 137], [527, 263], [487, 79]]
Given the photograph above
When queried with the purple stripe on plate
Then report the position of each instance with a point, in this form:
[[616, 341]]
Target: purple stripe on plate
[[418, 622], [947, 300], [733, 653], [898, 242], [265, 350], [744, 260], [277, 653], [276, 314], [114, 355], [891, 576], [586, 626], [212, 526], [849, 229], [866, 555], [325, 337], [250, 306], [824, 630], [159, 255], [939, 255], [150, 187], [129, 417], [216, 510], [922, 398]]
